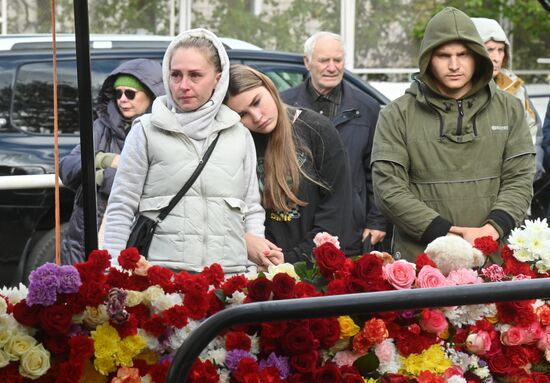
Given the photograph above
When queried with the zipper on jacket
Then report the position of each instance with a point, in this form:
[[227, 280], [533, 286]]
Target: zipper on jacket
[[460, 117]]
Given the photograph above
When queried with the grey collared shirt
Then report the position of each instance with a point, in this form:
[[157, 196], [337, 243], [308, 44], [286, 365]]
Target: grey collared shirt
[[326, 105]]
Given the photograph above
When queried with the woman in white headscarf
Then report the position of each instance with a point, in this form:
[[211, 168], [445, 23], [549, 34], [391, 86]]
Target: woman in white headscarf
[[210, 222]]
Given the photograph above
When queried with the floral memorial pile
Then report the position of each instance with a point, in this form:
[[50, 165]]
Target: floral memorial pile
[[94, 323]]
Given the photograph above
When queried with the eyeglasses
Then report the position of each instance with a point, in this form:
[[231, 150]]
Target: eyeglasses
[[129, 93]]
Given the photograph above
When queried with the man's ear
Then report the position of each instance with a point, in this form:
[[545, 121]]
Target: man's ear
[[306, 62]]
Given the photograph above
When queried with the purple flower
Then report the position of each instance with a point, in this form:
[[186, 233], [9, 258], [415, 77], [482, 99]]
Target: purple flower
[[116, 302], [43, 285], [279, 362], [233, 357], [69, 279]]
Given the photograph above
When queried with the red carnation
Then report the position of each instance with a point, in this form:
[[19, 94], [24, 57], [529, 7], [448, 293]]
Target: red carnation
[[512, 266], [140, 312], [245, 367], [424, 260], [283, 286], [259, 289], [429, 377], [176, 316], [237, 340], [337, 287], [56, 344], [82, 347], [93, 293], [214, 274], [128, 328], [199, 302], [155, 325], [159, 372], [329, 259], [129, 258], [520, 313], [487, 245], [71, 371], [394, 378], [215, 304], [203, 372], [161, 276], [235, 283]]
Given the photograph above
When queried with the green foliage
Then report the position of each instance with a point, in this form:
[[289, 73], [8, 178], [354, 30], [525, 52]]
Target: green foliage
[[367, 364]]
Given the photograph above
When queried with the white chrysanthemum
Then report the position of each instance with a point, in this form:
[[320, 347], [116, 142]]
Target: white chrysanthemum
[[236, 299], [523, 254], [461, 359], [165, 301], [469, 315], [254, 344], [287, 268], [543, 265], [537, 226], [217, 356], [456, 379], [15, 294], [152, 342], [482, 372], [535, 244], [216, 343], [223, 374], [174, 340]]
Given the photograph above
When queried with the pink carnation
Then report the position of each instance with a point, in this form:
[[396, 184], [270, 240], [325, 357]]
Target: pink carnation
[[324, 237], [385, 352], [494, 273], [345, 358], [430, 277], [463, 277], [400, 274]]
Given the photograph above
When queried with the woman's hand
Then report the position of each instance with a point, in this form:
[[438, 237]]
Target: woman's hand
[[263, 252], [470, 234]]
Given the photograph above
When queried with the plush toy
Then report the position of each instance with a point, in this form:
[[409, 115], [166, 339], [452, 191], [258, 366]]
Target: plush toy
[[452, 252]]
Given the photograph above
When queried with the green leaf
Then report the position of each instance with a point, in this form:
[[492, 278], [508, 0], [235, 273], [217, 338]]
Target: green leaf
[[367, 364], [301, 270], [220, 295]]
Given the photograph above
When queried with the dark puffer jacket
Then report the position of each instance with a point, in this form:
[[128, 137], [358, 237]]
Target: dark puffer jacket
[[110, 130]]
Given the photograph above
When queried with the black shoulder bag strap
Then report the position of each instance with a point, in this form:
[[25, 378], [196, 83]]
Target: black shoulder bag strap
[[164, 211]]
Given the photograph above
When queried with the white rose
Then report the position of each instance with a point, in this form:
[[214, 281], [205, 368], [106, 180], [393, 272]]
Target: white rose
[[4, 359], [19, 344], [5, 336], [287, 268], [35, 362], [94, 316]]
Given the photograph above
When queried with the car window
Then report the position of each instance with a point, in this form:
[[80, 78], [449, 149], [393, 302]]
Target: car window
[[5, 96], [284, 77], [32, 107]]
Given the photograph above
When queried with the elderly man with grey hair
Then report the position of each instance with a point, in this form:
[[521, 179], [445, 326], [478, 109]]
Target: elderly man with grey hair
[[354, 115]]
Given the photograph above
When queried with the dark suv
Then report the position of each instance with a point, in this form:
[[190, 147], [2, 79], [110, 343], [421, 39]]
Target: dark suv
[[26, 126]]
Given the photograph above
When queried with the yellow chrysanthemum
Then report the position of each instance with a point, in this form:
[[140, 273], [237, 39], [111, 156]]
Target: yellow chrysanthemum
[[104, 365], [370, 380], [348, 328], [433, 359]]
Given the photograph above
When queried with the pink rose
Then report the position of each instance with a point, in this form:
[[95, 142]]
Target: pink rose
[[516, 336], [324, 237], [430, 277], [400, 274], [433, 321], [478, 343], [463, 277]]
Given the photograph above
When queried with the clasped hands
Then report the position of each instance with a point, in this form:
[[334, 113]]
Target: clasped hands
[[470, 234], [263, 252]]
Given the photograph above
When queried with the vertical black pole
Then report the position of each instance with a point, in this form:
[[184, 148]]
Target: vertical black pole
[[82, 35]]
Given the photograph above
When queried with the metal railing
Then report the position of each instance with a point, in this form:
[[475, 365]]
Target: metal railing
[[365, 303], [36, 181]]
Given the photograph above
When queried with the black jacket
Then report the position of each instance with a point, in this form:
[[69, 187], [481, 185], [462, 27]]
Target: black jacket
[[328, 208], [355, 121], [109, 137]]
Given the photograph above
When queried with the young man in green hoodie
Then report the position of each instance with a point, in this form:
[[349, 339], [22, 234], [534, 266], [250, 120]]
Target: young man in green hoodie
[[453, 155]]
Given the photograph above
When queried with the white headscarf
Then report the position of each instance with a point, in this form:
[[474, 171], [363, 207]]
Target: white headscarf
[[197, 124]]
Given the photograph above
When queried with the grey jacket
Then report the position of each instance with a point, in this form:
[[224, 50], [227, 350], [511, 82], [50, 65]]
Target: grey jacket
[[110, 131]]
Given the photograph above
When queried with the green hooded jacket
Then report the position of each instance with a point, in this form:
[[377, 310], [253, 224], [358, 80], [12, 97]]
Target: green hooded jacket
[[439, 162]]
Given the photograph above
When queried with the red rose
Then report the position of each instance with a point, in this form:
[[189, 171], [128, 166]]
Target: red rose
[[326, 330], [273, 330], [129, 258], [259, 289], [329, 259], [329, 373], [71, 371], [305, 362], [520, 313], [25, 314], [305, 290], [540, 377], [298, 340], [429, 377], [337, 287], [56, 319], [57, 344], [368, 268], [269, 345], [283, 286], [237, 340], [394, 378], [500, 364], [487, 245]]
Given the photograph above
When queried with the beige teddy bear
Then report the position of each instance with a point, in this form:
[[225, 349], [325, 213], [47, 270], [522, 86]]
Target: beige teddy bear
[[452, 252]]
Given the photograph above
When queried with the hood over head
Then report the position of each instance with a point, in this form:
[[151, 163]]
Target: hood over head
[[198, 123], [490, 29], [452, 25]]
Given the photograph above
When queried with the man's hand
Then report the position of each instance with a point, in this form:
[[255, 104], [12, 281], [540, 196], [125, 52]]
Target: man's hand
[[375, 235], [263, 252], [470, 234]]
